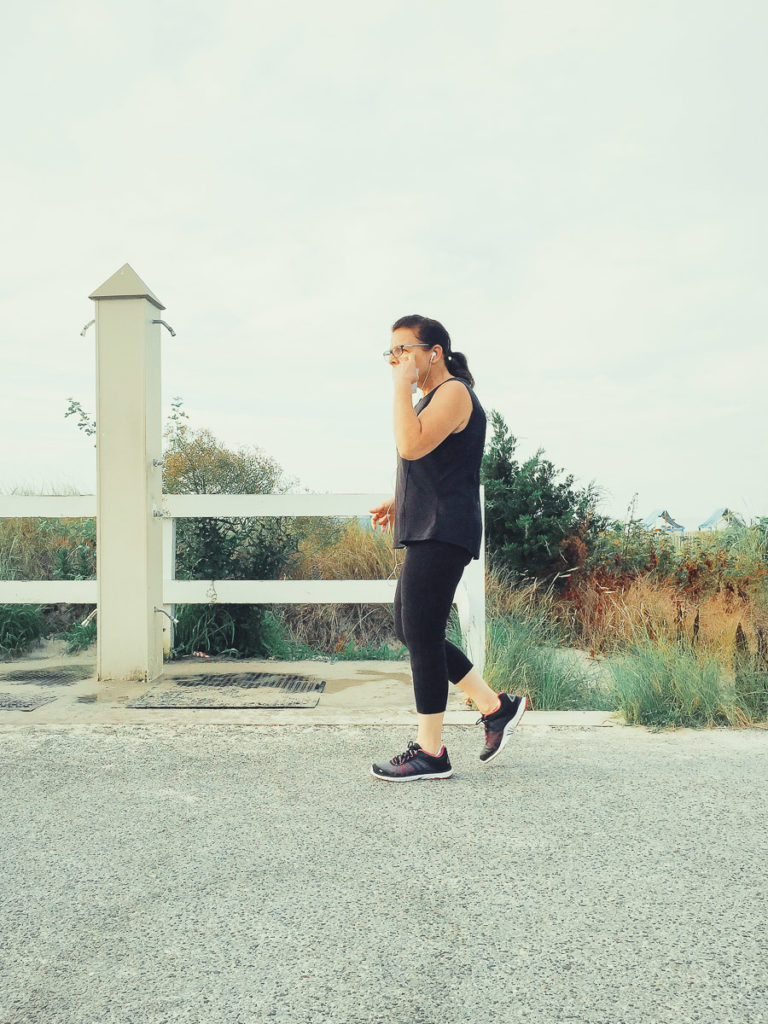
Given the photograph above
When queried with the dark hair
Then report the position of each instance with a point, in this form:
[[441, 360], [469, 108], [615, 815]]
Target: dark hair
[[432, 333]]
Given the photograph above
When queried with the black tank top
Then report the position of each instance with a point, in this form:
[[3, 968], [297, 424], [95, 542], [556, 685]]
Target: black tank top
[[438, 496]]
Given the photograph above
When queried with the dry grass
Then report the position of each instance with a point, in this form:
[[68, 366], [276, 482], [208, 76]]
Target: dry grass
[[508, 595], [609, 618], [342, 551], [347, 551], [36, 548], [31, 547]]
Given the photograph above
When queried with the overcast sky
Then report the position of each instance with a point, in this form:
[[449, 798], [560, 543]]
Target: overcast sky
[[577, 191]]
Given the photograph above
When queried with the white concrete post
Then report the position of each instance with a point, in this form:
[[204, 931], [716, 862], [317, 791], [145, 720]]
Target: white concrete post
[[129, 485]]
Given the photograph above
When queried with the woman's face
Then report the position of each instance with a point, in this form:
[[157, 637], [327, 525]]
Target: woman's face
[[419, 354]]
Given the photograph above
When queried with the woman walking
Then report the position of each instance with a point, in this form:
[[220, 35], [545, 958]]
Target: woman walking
[[435, 514]]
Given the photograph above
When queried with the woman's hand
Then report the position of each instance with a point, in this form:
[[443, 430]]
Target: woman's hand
[[383, 515], [405, 371]]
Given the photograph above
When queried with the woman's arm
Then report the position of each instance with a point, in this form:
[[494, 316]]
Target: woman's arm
[[416, 436], [383, 515]]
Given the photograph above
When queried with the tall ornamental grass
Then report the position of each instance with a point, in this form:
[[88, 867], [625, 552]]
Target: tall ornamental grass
[[665, 679], [662, 683], [524, 638]]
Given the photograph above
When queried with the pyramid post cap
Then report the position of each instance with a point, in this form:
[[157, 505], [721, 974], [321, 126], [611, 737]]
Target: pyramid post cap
[[125, 284]]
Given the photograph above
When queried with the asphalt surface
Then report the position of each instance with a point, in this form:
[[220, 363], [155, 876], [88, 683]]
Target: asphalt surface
[[229, 873]]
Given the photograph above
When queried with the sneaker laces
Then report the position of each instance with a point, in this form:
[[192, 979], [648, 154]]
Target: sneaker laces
[[412, 751], [485, 718]]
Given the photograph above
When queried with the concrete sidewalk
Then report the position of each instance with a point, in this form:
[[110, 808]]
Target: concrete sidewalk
[[202, 873], [167, 865], [356, 692]]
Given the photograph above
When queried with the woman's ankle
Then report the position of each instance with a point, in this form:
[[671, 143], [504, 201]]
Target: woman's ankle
[[495, 707]]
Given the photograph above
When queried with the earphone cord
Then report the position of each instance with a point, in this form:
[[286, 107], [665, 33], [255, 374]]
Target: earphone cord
[[424, 383]]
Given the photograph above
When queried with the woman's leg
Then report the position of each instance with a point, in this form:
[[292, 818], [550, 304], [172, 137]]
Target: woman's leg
[[429, 736], [399, 609], [427, 584], [462, 672], [476, 687], [457, 661]]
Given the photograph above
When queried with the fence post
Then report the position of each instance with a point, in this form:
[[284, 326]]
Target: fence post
[[470, 602], [129, 485]]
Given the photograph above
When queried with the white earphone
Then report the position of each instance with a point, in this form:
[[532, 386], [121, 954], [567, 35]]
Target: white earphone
[[415, 385]]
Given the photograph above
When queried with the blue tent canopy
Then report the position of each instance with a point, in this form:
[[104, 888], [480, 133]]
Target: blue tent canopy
[[722, 517], [660, 519]]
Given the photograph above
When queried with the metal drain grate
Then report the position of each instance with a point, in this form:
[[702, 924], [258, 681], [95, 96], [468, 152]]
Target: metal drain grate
[[11, 702], [232, 690], [61, 676], [293, 684]]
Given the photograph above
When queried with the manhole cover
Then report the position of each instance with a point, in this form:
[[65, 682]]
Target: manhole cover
[[10, 702], [232, 690], [62, 676]]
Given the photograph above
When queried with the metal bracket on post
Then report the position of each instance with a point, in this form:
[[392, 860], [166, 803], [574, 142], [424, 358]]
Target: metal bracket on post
[[173, 333], [162, 611]]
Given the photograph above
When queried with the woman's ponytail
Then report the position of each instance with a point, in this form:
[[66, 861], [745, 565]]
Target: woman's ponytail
[[457, 365], [432, 333]]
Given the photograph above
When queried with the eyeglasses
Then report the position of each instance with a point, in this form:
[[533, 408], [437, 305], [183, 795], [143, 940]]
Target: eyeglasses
[[398, 350]]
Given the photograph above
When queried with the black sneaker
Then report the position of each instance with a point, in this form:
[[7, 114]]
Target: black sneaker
[[500, 724], [415, 763]]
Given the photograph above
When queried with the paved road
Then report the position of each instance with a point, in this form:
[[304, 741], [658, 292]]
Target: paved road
[[232, 874]]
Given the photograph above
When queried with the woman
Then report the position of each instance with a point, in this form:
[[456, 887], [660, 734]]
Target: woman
[[436, 517]]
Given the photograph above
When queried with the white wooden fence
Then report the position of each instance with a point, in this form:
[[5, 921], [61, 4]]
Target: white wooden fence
[[469, 598]]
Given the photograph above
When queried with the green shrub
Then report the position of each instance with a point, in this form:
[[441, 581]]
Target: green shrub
[[219, 548], [21, 625], [699, 564], [80, 637], [237, 630], [529, 515], [276, 643]]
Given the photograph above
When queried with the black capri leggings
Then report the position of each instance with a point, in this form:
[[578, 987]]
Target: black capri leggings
[[428, 580]]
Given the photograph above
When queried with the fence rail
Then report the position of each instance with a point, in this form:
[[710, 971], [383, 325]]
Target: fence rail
[[469, 598], [47, 506]]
